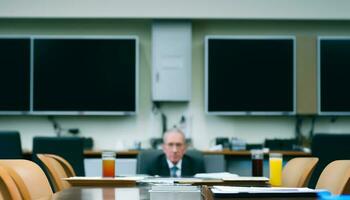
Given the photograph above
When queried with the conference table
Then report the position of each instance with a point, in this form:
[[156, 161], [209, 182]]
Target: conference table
[[133, 193], [133, 153], [103, 193]]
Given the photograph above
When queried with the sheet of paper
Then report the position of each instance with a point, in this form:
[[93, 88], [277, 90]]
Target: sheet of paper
[[162, 180], [173, 188], [233, 190], [246, 178], [218, 175]]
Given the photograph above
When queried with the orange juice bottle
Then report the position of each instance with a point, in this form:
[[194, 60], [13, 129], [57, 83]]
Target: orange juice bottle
[[275, 163]]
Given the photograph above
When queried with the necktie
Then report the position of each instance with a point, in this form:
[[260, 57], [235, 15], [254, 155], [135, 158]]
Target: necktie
[[173, 171]]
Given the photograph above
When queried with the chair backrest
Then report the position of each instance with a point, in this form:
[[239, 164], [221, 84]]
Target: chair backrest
[[64, 163], [146, 158], [29, 178], [297, 171], [8, 188], [328, 148], [198, 157], [10, 145], [69, 148], [336, 177], [56, 172]]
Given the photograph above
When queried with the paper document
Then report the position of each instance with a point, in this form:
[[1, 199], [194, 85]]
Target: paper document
[[172, 192], [173, 188], [218, 175], [162, 180], [245, 178], [228, 189]]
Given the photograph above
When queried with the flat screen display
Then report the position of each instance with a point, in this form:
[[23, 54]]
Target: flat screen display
[[85, 75], [248, 75], [334, 70], [14, 74]]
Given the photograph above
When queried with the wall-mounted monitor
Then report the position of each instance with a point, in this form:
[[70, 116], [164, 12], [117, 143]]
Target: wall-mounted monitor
[[14, 75], [250, 75], [333, 75], [85, 75]]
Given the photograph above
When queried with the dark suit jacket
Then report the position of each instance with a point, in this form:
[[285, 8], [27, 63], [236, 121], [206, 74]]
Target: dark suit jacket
[[188, 168]]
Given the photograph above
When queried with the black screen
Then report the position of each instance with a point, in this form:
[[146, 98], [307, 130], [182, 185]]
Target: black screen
[[85, 75], [335, 71], [250, 75], [14, 74]]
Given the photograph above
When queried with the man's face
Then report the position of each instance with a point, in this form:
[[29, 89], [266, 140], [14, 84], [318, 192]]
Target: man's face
[[174, 147]]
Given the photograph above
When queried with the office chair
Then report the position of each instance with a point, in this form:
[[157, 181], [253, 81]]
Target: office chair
[[297, 171], [69, 148], [29, 178], [328, 148], [8, 188], [336, 177], [10, 145], [56, 172], [199, 160], [146, 158]]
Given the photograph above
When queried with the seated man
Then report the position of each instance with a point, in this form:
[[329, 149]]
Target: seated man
[[174, 162]]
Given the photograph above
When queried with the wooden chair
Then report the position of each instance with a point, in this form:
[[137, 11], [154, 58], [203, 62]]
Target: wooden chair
[[8, 188], [297, 172], [65, 164], [29, 178], [335, 177], [55, 171]]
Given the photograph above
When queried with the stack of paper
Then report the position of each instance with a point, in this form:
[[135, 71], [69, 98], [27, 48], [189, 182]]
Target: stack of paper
[[183, 192], [227, 191], [168, 188]]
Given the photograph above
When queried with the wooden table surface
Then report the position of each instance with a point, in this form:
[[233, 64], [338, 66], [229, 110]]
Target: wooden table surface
[[131, 193], [247, 153], [102, 193], [134, 153]]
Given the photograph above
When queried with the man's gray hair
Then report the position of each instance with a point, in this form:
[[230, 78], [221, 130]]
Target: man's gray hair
[[174, 130]]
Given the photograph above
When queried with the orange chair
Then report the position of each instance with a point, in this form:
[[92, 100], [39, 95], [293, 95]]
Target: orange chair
[[55, 171], [8, 188], [297, 172], [29, 178], [65, 164], [335, 177]]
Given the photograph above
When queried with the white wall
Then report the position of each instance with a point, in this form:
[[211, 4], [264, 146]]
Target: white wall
[[110, 132], [184, 9]]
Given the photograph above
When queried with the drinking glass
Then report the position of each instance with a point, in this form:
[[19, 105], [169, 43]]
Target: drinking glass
[[108, 164], [275, 169], [257, 162]]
